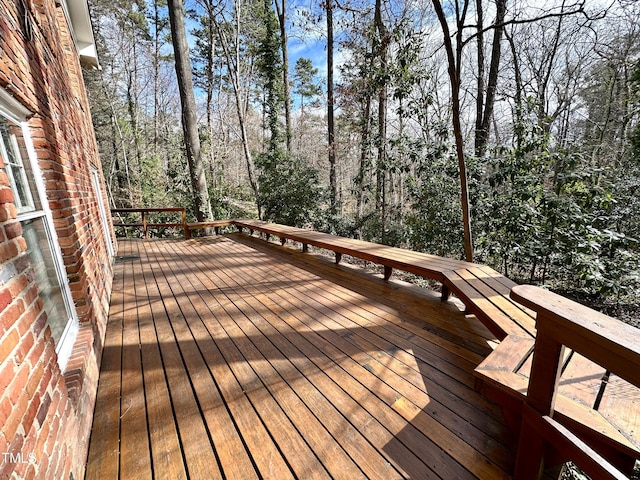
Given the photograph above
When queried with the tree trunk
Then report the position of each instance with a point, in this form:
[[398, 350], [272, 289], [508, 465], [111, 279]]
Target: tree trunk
[[202, 203], [481, 72], [156, 74], [364, 152], [330, 113], [210, 89], [453, 61], [381, 168], [483, 123], [519, 102], [281, 7]]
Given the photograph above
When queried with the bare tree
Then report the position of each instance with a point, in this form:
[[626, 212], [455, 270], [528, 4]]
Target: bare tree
[[202, 203], [454, 60], [331, 138], [281, 10], [485, 97], [232, 57]]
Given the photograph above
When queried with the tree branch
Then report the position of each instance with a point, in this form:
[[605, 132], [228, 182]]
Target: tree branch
[[515, 21]]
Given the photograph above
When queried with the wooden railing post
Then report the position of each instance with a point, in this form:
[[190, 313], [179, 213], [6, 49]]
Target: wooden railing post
[[144, 224], [187, 232], [543, 384]]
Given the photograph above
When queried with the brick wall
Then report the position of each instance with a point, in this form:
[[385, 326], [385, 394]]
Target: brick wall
[[46, 414]]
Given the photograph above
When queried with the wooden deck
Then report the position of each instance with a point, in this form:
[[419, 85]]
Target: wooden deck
[[231, 358]]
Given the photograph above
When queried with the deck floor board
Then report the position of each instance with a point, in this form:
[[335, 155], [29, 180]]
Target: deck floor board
[[229, 358]]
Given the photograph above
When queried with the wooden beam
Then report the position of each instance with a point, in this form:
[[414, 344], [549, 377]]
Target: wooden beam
[[446, 293], [387, 273], [185, 227], [144, 225], [567, 445], [529, 459]]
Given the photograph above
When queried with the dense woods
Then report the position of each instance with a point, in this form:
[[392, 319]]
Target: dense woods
[[500, 131]]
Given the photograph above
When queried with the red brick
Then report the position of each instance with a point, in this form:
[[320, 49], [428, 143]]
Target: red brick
[[30, 413], [26, 343], [34, 380], [43, 410], [51, 441], [15, 418], [5, 299], [44, 467], [42, 438], [7, 251], [6, 195], [13, 230], [41, 322], [17, 286], [16, 389], [31, 294], [22, 244], [28, 319], [8, 344], [30, 473], [5, 411], [4, 444], [12, 211], [12, 314], [5, 213], [7, 371], [46, 380]]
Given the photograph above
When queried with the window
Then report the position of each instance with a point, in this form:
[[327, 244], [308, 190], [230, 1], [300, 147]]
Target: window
[[13, 150], [95, 175], [37, 229]]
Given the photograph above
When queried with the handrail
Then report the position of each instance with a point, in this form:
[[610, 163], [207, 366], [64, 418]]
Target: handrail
[[563, 323], [146, 225]]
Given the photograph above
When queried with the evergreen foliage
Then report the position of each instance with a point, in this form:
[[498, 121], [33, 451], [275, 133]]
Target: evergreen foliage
[[290, 192]]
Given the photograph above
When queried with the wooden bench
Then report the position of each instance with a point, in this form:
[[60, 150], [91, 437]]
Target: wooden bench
[[215, 224], [484, 291]]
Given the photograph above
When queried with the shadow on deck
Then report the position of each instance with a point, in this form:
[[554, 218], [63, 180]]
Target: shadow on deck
[[230, 358]]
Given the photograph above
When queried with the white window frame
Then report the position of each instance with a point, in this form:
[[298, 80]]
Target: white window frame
[[16, 113], [95, 175], [14, 170]]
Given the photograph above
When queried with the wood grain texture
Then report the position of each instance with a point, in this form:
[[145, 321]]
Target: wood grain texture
[[605, 340], [252, 363]]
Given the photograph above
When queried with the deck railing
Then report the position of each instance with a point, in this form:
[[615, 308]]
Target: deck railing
[[604, 340], [146, 225]]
